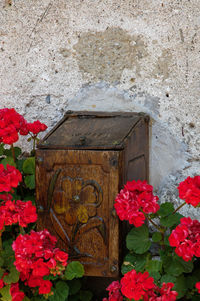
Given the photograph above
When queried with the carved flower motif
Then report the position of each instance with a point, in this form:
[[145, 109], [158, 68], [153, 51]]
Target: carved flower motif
[[77, 199]]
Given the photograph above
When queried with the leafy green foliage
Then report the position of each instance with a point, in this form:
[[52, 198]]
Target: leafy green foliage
[[74, 270], [74, 286], [30, 181], [29, 166], [171, 220], [167, 278], [60, 292], [138, 240], [8, 160], [156, 237], [5, 293], [29, 169], [154, 266], [165, 209], [180, 286], [12, 277]]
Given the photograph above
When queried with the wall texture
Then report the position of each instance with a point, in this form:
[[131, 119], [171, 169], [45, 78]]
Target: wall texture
[[112, 55]]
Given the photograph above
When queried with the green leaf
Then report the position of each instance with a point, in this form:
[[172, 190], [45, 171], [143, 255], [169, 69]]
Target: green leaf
[[5, 292], [30, 181], [171, 220], [156, 275], [167, 278], [180, 286], [165, 209], [74, 286], [19, 164], [186, 265], [1, 149], [138, 240], [134, 261], [172, 266], [17, 150], [74, 270], [30, 197], [191, 281], [166, 240], [86, 295], [154, 266], [156, 237], [12, 277], [8, 160], [1, 272], [61, 292], [1, 261], [29, 166], [125, 268]]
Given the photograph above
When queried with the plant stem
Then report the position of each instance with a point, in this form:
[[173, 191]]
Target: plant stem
[[13, 152], [179, 207], [151, 221], [21, 229], [34, 140]]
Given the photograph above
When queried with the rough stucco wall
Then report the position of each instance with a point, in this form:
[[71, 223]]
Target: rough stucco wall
[[112, 55]]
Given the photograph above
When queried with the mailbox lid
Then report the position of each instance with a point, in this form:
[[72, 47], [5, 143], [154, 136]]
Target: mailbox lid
[[91, 130]]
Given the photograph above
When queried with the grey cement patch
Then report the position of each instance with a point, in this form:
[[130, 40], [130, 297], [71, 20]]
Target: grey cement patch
[[106, 54]]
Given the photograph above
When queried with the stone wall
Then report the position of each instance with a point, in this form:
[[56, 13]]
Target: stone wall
[[109, 55]]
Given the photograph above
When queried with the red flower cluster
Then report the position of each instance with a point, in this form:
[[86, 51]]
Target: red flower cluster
[[114, 292], [133, 200], [139, 286], [36, 257], [186, 238], [16, 294], [11, 123], [9, 177], [12, 212], [197, 285], [36, 127], [189, 190], [161, 294], [135, 285]]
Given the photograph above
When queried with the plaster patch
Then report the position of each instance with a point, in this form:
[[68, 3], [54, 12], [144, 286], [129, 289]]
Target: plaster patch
[[162, 65], [106, 54]]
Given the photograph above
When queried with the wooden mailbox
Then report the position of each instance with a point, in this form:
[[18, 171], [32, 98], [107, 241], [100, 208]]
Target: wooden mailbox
[[81, 165]]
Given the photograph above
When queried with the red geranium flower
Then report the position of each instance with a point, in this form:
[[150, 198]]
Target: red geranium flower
[[12, 212], [134, 285], [36, 257], [45, 287], [197, 285], [134, 200], [186, 238], [114, 292], [189, 190], [11, 123], [36, 127], [9, 178], [16, 294]]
